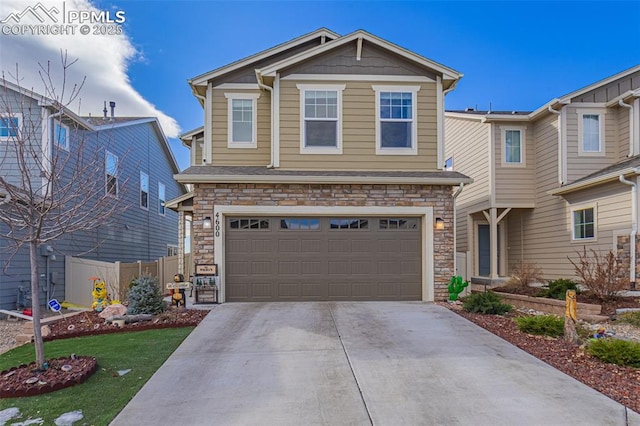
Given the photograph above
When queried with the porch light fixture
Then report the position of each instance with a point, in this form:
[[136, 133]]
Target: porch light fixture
[[206, 223], [439, 223]]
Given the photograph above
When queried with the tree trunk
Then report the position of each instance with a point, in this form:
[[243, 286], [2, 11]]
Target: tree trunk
[[35, 304]]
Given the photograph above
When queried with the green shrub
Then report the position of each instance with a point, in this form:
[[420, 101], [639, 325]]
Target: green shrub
[[632, 318], [616, 351], [543, 325], [558, 289], [144, 296], [485, 303]]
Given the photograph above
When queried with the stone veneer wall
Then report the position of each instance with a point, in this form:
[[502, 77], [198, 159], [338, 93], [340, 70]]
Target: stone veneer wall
[[206, 196], [624, 256]]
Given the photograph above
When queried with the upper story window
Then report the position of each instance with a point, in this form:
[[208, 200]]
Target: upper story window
[[144, 190], [320, 119], [396, 120], [584, 223], [111, 174], [242, 120], [591, 131], [10, 126], [513, 147], [448, 164], [161, 198], [61, 135]]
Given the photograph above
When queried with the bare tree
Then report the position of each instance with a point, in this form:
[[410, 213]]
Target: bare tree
[[47, 192]]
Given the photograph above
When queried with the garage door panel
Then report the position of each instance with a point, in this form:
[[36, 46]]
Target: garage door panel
[[288, 267], [357, 259], [289, 246]]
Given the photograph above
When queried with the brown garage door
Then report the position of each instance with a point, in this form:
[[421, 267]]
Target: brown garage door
[[323, 258]]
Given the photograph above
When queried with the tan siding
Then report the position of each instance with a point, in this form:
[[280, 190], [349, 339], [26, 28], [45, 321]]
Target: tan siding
[[358, 132], [578, 165], [468, 143], [623, 132], [514, 185], [609, 91], [223, 156]]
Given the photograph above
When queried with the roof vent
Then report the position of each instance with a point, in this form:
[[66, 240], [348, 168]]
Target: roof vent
[[469, 109], [105, 110], [112, 105]]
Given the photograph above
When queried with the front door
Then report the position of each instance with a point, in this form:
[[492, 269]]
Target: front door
[[484, 249]]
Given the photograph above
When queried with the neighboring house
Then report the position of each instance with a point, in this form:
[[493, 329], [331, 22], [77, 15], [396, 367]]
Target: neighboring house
[[318, 173], [134, 162], [551, 182]]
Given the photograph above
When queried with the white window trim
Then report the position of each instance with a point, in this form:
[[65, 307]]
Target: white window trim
[[595, 223], [523, 145], [160, 201], [414, 126], [148, 185], [334, 150], [66, 141], [254, 125], [20, 124], [600, 112], [106, 175]]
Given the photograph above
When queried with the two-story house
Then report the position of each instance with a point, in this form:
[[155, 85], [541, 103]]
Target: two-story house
[[550, 182], [318, 173], [131, 162]]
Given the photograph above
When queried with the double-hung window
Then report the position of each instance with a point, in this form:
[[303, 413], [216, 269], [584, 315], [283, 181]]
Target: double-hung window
[[10, 126], [396, 120], [61, 135], [144, 190], [161, 198], [591, 132], [320, 119], [584, 223], [513, 146], [242, 113], [111, 174]]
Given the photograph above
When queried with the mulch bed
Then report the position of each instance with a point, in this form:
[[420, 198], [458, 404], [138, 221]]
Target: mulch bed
[[621, 384], [26, 380]]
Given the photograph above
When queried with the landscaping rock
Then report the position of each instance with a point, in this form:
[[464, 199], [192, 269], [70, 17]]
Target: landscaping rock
[[113, 311]]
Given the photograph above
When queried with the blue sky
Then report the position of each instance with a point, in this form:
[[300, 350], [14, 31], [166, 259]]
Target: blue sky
[[516, 55]]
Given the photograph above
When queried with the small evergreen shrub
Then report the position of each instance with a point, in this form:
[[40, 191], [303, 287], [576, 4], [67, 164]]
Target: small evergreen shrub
[[558, 289], [485, 303], [144, 296], [632, 318], [616, 351], [542, 325]]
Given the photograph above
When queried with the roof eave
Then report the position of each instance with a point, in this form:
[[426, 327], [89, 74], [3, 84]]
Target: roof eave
[[211, 178], [599, 180]]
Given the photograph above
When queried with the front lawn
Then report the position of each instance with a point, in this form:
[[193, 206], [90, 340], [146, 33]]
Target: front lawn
[[105, 393]]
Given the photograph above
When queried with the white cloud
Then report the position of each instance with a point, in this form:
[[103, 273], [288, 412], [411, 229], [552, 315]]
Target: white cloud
[[103, 59]]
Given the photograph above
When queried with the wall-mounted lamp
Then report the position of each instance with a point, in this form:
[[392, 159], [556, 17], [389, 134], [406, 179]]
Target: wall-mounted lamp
[[439, 223], [206, 223]]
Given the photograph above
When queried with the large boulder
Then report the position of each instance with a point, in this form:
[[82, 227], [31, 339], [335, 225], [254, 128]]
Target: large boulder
[[111, 311]]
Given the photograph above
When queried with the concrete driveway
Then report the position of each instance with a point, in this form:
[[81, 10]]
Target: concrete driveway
[[382, 363]]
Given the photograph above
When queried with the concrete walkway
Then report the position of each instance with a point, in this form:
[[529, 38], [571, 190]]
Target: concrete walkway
[[365, 363]]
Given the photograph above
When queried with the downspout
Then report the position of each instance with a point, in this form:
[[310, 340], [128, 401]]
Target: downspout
[[270, 89], [631, 129], [553, 111], [455, 260], [634, 227]]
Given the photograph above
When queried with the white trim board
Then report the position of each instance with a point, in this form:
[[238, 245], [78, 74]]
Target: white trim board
[[425, 213]]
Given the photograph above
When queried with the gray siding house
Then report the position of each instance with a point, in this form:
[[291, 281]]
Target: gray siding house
[[131, 156]]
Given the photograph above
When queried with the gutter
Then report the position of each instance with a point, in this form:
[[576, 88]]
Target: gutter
[[634, 227], [592, 182], [270, 89], [268, 178]]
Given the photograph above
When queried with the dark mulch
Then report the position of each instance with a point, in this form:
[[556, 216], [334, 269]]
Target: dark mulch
[[15, 381], [619, 383]]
